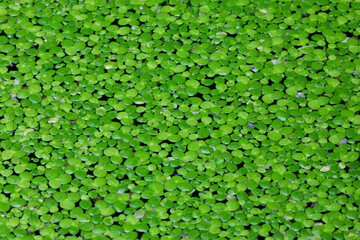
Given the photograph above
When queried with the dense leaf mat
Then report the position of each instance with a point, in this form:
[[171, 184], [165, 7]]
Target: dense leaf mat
[[179, 119]]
